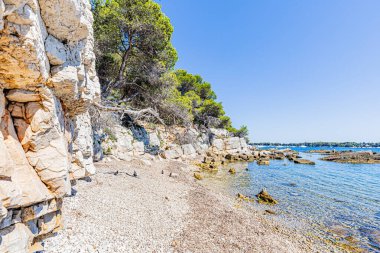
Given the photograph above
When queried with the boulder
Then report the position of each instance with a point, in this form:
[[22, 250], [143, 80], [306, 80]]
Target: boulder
[[188, 150], [232, 171], [198, 176], [264, 198], [154, 140], [138, 148], [304, 161], [16, 238], [172, 153], [263, 162]]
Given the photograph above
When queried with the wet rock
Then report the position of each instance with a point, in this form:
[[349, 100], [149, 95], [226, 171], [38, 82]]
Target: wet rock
[[232, 171], [263, 162], [244, 198], [304, 161], [198, 176], [264, 198]]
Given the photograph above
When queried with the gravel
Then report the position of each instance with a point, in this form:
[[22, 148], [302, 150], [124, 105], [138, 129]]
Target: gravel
[[154, 212]]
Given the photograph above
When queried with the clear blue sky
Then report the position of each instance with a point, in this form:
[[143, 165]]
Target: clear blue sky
[[292, 71]]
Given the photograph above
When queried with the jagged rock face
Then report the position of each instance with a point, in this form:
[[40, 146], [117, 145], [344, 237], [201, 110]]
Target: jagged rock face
[[120, 142], [47, 82]]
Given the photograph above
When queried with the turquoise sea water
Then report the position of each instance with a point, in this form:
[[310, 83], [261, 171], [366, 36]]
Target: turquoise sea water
[[340, 202]]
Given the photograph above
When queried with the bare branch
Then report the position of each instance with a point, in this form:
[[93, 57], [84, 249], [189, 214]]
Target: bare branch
[[134, 114]]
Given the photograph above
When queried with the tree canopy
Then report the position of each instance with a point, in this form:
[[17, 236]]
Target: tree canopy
[[133, 44], [135, 64]]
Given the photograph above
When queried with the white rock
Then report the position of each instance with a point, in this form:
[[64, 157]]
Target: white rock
[[243, 144], [154, 140], [219, 133], [55, 51], [188, 150], [138, 148], [3, 212], [17, 238], [23, 96], [232, 144], [171, 154], [218, 145]]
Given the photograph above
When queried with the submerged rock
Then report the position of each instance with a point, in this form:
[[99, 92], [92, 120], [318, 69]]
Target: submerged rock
[[264, 198], [232, 171]]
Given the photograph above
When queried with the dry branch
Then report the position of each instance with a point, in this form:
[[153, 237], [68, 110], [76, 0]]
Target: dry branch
[[134, 114]]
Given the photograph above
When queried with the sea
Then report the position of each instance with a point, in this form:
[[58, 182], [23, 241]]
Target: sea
[[337, 202]]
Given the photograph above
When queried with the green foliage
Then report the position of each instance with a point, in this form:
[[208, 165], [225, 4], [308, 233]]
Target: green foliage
[[135, 64], [205, 109], [110, 135], [133, 45], [242, 132]]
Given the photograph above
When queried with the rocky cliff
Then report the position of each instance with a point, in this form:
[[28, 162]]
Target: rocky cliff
[[47, 82], [168, 143]]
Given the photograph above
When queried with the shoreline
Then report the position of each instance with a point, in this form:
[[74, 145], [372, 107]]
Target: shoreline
[[157, 213]]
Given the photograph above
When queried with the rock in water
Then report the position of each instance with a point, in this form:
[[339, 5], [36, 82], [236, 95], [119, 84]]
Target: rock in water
[[232, 171], [263, 162], [264, 198], [304, 161]]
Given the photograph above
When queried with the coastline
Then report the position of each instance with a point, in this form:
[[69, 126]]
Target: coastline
[[154, 212]]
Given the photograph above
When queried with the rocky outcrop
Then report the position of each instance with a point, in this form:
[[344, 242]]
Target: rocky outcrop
[[47, 83], [303, 161], [173, 143], [368, 157], [263, 197]]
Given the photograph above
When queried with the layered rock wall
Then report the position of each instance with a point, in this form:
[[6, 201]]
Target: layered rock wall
[[176, 143], [47, 82]]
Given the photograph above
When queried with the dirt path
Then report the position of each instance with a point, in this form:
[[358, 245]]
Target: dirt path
[[154, 212]]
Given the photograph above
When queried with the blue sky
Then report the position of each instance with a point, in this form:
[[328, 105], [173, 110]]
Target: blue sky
[[292, 71]]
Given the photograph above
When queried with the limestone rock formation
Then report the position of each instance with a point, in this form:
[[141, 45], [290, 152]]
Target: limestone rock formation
[[47, 83]]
